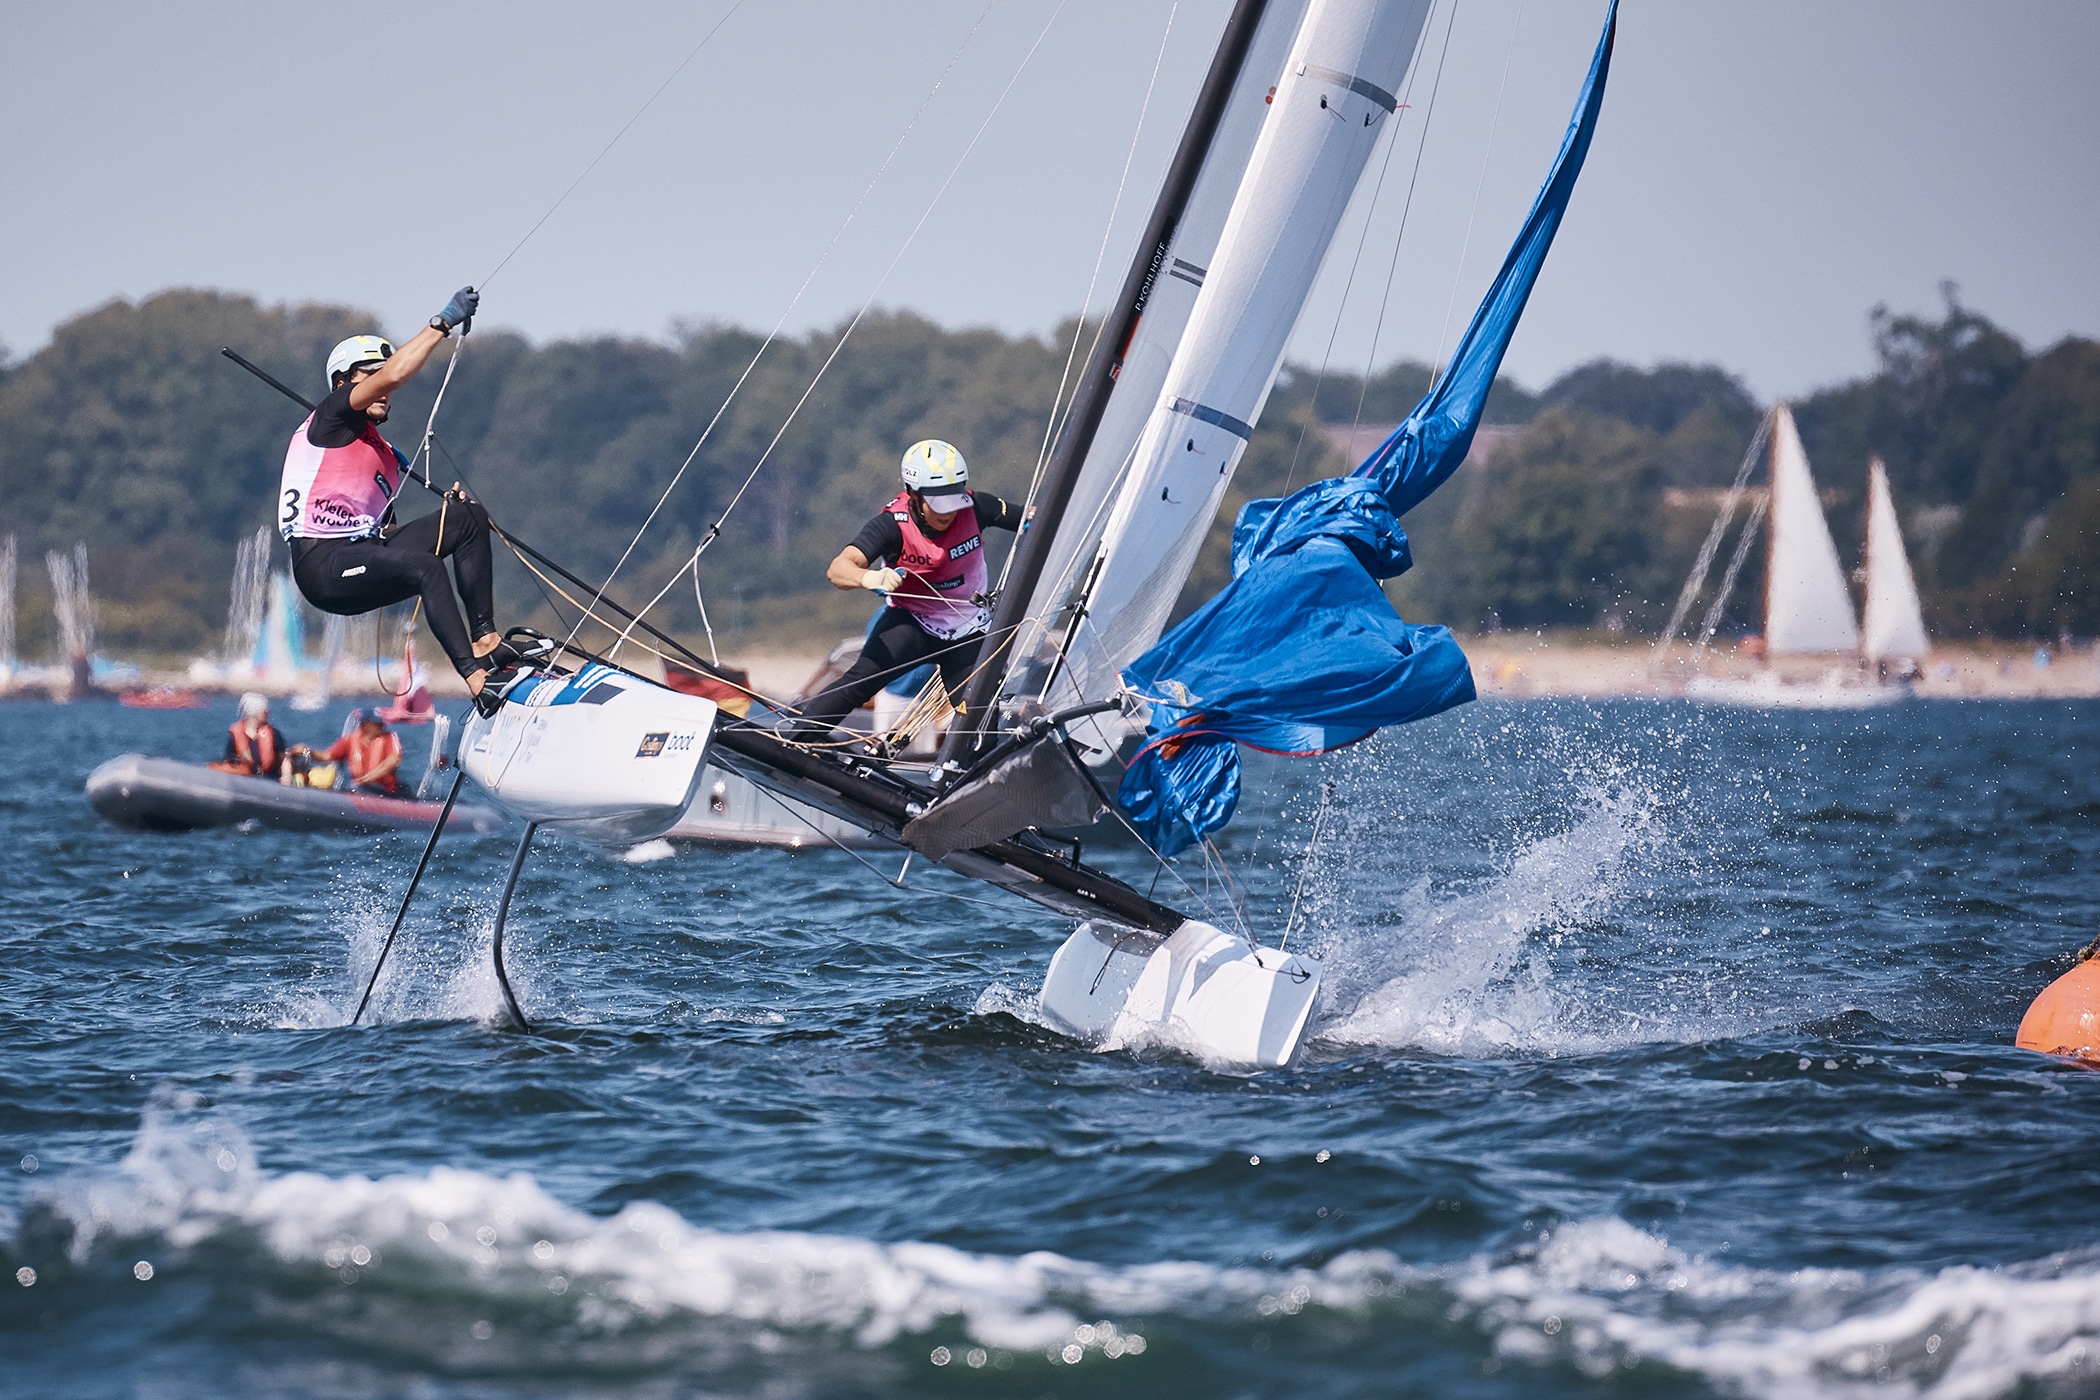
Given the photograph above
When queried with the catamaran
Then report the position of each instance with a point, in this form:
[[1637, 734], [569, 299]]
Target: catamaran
[[1081, 711], [1807, 602]]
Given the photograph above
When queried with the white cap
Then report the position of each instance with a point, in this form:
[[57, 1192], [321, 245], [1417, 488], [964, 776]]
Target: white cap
[[254, 705]]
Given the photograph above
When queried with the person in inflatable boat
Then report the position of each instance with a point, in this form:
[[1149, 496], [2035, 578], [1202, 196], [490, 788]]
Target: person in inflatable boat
[[924, 553], [335, 508], [372, 753], [254, 747]]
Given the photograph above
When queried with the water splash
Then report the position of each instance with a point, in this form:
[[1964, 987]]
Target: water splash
[[1469, 972]]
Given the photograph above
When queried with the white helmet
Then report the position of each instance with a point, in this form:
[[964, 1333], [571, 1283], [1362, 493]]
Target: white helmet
[[937, 471], [357, 350]]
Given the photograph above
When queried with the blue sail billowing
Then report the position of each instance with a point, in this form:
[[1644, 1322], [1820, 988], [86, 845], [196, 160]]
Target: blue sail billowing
[[1302, 652]]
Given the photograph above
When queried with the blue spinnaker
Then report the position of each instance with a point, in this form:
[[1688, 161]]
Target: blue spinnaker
[[1302, 652]]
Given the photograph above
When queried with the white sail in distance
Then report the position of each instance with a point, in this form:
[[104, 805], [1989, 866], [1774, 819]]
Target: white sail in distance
[[1808, 608], [1891, 622], [1333, 100]]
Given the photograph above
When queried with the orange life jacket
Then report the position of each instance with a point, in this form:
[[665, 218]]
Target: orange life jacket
[[263, 764]]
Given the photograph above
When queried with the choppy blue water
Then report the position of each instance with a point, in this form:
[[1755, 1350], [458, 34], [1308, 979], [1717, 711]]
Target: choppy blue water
[[1664, 1051]]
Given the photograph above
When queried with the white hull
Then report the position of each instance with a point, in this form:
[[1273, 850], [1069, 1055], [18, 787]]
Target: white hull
[[602, 753], [733, 811], [1768, 692], [1202, 990]]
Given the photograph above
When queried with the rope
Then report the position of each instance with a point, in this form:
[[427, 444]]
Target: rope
[[1060, 411], [1305, 865], [1467, 247], [1385, 301], [714, 531], [610, 144], [774, 334]]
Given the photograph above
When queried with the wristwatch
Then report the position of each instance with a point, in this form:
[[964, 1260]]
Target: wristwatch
[[437, 323]]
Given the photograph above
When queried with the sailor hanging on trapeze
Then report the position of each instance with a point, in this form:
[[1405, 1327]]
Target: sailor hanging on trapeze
[[335, 507]]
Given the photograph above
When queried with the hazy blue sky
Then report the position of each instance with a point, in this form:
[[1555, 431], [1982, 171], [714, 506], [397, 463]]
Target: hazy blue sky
[[1764, 173]]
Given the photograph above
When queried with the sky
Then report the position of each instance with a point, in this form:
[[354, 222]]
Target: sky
[[1764, 173]]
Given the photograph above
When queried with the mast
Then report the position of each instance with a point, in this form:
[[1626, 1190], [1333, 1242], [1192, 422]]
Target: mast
[[1091, 398]]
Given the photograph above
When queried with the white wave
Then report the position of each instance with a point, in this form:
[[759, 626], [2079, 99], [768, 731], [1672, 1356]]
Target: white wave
[[1602, 1295]]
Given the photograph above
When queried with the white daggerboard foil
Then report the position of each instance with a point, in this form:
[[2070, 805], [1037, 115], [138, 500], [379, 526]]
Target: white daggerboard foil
[[1200, 990], [603, 753], [1808, 607], [1891, 622]]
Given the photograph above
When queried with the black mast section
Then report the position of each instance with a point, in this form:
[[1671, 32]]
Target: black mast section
[[1091, 399]]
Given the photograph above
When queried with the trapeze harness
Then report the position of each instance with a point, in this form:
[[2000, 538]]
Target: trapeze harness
[[336, 493], [944, 574]]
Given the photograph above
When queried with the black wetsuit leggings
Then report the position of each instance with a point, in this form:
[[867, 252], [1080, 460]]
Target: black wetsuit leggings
[[897, 645], [351, 577]]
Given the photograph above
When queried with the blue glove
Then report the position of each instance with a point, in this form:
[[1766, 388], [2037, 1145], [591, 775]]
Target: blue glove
[[460, 310]]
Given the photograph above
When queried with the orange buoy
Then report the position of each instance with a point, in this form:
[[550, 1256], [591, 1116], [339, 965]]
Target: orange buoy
[[2065, 1018]]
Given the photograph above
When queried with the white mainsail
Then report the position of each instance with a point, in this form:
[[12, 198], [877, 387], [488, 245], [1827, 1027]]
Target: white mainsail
[[1169, 299], [1332, 100], [1807, 605], [1891, 622]]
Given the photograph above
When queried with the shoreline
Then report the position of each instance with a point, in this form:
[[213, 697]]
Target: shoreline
[[1505, 667]]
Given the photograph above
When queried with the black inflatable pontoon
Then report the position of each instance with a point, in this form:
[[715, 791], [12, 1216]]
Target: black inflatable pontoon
[[160, 794]]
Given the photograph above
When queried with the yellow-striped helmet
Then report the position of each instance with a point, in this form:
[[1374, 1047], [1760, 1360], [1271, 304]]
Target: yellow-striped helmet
[[937, 471]]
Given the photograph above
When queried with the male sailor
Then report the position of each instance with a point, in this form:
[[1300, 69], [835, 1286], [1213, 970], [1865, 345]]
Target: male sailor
[[254, 746], [335, 506], [924, 552]]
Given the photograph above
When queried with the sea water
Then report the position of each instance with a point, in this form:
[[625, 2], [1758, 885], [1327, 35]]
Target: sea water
[[1663, 1051]]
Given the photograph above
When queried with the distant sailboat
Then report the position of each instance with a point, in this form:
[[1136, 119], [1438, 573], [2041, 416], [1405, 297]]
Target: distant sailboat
[[1892, 625], [1807, 605]]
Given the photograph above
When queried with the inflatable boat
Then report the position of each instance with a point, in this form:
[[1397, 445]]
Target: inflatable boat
[[160, 794]]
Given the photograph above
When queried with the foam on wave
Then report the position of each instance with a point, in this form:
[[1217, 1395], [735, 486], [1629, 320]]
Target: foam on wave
[[1600, 1295]]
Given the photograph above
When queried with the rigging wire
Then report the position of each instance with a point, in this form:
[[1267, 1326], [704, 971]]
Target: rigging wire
[[1486, 158], [1305, 865], [714, 531], [683, 64], [1370, 216], [773, 335], [1385, 301], [1060, 411], [1414, 73]]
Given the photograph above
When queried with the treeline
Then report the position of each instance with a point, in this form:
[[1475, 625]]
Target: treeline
[[1582, 509]]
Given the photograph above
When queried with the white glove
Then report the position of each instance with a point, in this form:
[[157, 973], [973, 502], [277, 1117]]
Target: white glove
[[882, 580]]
